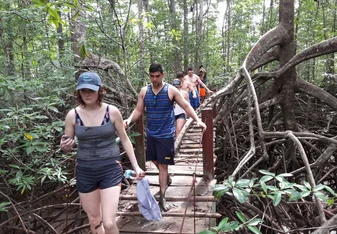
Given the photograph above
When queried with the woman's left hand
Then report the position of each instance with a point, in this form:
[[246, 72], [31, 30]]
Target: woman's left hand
[[140, 173]]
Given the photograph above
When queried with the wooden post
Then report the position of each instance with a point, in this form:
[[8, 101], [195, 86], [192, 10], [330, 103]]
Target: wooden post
[[140, 143], [207, 144]]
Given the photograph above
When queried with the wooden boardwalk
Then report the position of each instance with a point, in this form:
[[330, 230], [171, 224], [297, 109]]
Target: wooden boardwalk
[[200, 209]]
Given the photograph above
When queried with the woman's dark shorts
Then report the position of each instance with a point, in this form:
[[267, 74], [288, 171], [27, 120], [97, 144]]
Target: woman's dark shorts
[[180, 116], [102, 174], [160, 149]]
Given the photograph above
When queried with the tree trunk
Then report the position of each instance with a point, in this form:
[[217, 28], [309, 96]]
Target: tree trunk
[[175, 42], [60, 41], [199, 32], [78, 33], [141, 42], [185, 35]]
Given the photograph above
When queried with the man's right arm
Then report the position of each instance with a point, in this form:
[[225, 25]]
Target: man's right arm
[[138, 111]]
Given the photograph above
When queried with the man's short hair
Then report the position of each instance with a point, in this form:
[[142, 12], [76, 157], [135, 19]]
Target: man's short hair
[[180, 75], [189, 69], [156, 67]]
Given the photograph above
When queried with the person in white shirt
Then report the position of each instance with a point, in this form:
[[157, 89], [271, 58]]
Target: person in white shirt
[[179, 113]]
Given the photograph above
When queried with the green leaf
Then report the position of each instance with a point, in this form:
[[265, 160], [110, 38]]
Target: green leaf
[[255, 222], [305, 193], [321, 196], [243, 183], [301, 187], [207, 232], [285, 175], [14, 166], [277, 198], [280, 178], [267, 173], [318, 187], [254, 229], [223, 223], [240, 216], [3, 171], [264, 187], [3, 206], [83, 52], [220, 193], [286, 185], [330, 190], [77, 13], [29, 150], [218, 187], [238, 193], [53, 13], [330, 201], [306, 184], [294, 195], [266, 178]]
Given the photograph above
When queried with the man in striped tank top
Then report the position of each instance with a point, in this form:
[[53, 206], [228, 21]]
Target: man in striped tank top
[[157, 100]]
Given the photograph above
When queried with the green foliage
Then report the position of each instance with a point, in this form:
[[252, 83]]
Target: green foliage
[[270, 186], [30, 129], [3, 206], [225, 226]]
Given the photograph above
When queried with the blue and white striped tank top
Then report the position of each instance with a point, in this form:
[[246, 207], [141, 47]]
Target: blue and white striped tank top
[[159, 113]]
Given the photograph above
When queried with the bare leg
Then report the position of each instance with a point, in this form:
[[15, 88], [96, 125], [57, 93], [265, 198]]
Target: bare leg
[[109, 200], [163, 180], [179, 125], [91, 203]]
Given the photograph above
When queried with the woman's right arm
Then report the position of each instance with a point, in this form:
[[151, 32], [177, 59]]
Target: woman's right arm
[[67, 140]]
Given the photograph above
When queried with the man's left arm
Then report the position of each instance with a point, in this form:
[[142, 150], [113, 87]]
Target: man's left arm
[[203, 85]]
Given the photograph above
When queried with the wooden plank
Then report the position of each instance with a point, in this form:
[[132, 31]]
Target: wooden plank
[[172, 225], [177, 180], [174, 214], [171, 198], [180, 186], [189, 172], [179, 168], [199, 151], [179, 165]]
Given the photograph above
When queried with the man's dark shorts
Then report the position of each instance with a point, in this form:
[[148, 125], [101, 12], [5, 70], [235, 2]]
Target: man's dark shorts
[[160, 149], [98, 174]]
